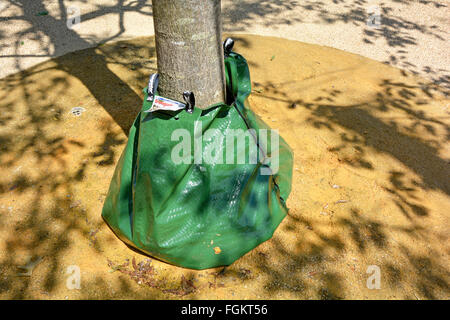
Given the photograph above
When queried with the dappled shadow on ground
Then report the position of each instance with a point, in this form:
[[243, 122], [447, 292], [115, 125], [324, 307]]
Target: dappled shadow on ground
[[368, 131], [51, 161], [371, 148], [53, 30], [396, 33], [381, 26], [59, 34], [369, 185]]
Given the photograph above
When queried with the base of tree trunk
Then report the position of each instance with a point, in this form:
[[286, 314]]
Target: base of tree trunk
[[189, 49]]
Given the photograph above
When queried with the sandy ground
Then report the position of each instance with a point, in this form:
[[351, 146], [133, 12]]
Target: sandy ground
[[370, 184], [412, 35]]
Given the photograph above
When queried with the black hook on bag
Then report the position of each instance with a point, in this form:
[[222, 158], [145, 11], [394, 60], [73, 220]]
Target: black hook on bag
[[228, 46], [189, 98]]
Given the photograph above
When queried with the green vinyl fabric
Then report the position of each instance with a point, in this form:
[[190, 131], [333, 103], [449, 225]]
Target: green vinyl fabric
[[200, 213]]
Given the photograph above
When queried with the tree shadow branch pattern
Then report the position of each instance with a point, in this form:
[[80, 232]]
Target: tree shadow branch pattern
[[396, 32], [293, 267]]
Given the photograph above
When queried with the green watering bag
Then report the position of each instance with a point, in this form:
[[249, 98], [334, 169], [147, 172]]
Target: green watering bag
[[186, 193]]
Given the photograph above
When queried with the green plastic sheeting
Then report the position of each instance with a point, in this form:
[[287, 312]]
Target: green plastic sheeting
[[200, 215]]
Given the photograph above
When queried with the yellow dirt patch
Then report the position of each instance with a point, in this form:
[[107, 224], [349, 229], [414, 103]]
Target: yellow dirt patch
[[370, 185]]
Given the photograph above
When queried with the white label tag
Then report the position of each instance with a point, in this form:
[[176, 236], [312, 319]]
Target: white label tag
[[161, 103]]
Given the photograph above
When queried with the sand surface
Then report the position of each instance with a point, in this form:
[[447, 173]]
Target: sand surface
[[370, 183]]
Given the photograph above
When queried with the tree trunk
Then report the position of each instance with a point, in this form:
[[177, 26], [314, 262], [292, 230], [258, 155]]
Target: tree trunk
[[188, 35]]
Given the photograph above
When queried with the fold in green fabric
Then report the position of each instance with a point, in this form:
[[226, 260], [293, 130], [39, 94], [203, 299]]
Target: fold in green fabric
[[181, 191]]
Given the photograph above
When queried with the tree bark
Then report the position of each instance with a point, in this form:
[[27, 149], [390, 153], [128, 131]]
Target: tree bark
[[188, 35]]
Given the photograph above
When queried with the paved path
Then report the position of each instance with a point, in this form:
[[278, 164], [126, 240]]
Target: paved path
[[408, 34]]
